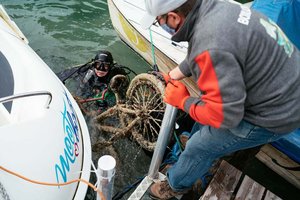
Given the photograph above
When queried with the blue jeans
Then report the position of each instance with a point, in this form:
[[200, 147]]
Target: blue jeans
[[208, 144]]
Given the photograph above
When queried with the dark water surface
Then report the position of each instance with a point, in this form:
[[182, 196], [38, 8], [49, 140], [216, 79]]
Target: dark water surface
[[66, 33], [70, 32]]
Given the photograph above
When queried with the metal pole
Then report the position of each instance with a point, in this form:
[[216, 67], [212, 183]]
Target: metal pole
[[27, 94], [106, 172], [162, 141]]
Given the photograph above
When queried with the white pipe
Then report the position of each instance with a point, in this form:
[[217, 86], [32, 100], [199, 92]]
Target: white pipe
[[106, 172]]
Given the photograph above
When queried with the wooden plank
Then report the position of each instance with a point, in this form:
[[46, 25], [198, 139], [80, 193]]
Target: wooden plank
[[249, 190], [271, 196], [223, 183], [268, 152]]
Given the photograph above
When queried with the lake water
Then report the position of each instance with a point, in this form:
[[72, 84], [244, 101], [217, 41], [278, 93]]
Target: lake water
[[70, 32], [67, 33]]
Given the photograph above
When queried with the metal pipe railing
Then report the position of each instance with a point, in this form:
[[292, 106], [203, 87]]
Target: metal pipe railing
[[162, 140], [27, 94]]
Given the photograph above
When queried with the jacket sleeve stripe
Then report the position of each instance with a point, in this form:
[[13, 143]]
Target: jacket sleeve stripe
[[210, 112]]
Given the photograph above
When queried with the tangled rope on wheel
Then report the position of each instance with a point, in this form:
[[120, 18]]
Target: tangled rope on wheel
[[139, 113]]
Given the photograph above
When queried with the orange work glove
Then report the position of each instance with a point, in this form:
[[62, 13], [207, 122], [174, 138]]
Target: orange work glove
[[176, 94]]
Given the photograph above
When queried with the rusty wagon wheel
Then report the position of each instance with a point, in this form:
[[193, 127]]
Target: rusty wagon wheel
[[145, 96]]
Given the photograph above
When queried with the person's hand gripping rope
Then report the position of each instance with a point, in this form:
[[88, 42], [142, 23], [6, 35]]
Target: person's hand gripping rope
[[176, 92]]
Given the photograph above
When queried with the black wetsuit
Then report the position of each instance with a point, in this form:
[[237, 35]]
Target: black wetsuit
[[98, 87]]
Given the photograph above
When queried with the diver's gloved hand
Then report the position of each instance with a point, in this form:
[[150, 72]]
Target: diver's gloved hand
[[176, 94], [161, 76]]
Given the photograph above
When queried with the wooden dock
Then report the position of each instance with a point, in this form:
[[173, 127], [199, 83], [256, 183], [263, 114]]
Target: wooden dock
[[275, 159], [230, 183]]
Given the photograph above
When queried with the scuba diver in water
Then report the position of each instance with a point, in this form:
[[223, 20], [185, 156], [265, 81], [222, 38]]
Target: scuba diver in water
[[96, 84]]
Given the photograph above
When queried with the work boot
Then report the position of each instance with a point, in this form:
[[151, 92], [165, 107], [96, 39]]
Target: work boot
[[162, 190]]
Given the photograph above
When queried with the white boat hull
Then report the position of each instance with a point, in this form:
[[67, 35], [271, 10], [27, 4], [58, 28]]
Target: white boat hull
[[46, 142]]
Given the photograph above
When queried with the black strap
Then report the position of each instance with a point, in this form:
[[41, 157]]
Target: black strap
[[67, 73], [285, 167]]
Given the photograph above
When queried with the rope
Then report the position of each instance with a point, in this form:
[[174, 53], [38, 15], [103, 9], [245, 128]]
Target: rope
[[54, 184], [178, 142], [152, 47]]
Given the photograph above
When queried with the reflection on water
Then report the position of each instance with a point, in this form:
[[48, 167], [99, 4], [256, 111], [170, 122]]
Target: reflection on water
[[68, 33]]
